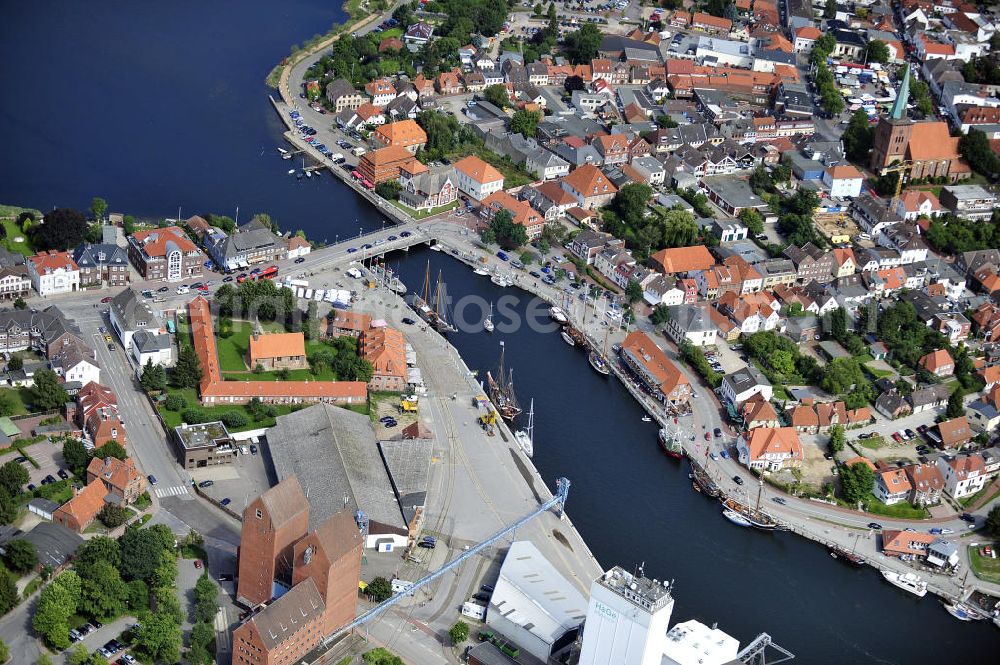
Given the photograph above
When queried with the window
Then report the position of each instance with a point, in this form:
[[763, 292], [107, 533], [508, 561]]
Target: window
[[259, 514]]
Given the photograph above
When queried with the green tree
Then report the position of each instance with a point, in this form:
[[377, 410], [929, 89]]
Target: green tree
[[187, 371], [581, 46], [311, 327], [55, 606], [141, 553], [43, 660], [202, 636], [956, 403], [630, 203], [877, 51], [4, 652], [507, 233], [782, 362], [78, 655], [459, 632], [379, 589], [8, 592], [660, 315], [76, 455], [19, 303], [633, 291], [975, 148], [105, 595], [20, 556], [47, 392], [206, 596], [113, 449], [15, 363], [993, 521], [496, 95], [98, 207], [389, 190], [753, 220], [154, 377], [837, 438], [138, 596], [113, 516], [856, 482], [525, 123], [8, 509], [63, 229], [858, 137], [13, 477], [175, 402], [159, 637]]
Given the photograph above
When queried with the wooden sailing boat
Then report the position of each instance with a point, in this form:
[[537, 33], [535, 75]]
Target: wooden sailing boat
[[599, 360], [421, 304], [441, 322], [502, 390], [758, 518]]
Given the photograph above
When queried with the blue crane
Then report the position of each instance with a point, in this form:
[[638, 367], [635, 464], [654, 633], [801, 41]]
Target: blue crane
[[558, 499]]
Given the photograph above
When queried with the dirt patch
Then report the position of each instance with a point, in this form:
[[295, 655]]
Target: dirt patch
[[816, 469], [557, 534], [390, 406]]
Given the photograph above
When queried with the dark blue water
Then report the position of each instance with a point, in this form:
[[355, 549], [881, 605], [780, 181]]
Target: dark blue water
[[160, 105]]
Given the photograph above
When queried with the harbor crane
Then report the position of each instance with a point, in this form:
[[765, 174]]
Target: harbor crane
[[557, 501], [755, 653]]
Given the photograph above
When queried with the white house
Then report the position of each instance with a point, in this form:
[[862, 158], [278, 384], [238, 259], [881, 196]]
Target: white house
[[964, 475], [53, 272], [743, 384], [477, 178], [892, 486], [843, 180], [148, 345], [691, 323], [298, 246], [80, 369]]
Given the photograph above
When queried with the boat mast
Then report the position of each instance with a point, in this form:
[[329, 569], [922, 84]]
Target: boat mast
[[531, 421], [760, 490], [427, 283]]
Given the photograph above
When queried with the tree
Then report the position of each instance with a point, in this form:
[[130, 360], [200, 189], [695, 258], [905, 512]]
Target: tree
[[630, 203], [13, 477], [15, 363], [175, 402], [187, 371], [79, 655], [782, 362], [104, 593], [4, 652], [388, 189], [311, 327], [20, 556], [633, 291], [8, 592], [202, 635], [506, 232], [154, 377], [837, 438], [574, 83], [856, 482], [138, 596], [55, 606], [877, 51], [206, 597], [660, 315], [525, 123], [858, 137], [19, 303], [975, 148], [47, 392], [43, 660], [159, 637], [62, 229], [7, 404], [113, 516], [8, 509], [956, 403], [581, 46], [993, 521], [113, 449], [141, 553], [98, 207], [76, 455], [753, 220], [459, 632], [496, 95], [379, 589]]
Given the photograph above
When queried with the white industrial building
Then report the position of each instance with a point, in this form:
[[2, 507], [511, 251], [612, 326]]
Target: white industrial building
[[533, 605], [694, 643]]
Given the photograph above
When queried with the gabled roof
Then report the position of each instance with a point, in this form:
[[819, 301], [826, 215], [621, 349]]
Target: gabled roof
[[683, 259], [276, 345], [160, 242], [954, 432], [774, 440], [86, 504], [114, 472], [284, 502], [646, 353], [51, 261], [935, 360], [588, 181], [478, 170]]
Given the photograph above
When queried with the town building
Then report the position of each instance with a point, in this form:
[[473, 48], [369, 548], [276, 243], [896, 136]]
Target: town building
[[927, 483], [165, 254], [521, 212], [385, 349], [120, 477], [770, 448], [678, 260], [430, 189], [405, 134], [52, 273], [662, 377], [274, 351], [203, 445], [45, 331], [80, 511], [589, 186], [477, 178], [955, 433], [743, 384], [96, 413], [963, 475], [15, 281], [251, 243], [102, 264], [892, 485], [387, 164], [691, 323], [939, 363], [129, 313], [843, 180], [343, 96], [969, 201]]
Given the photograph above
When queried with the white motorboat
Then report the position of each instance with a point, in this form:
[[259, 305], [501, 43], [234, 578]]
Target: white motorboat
[[282, 151], [735, 518], [907, 582], [286, 156], [291, 171], [481, 271], [435, 248], [963, 612], [309, 174], [500, 280], [647, 419], [567, 338], [557, 314], [525, 437]]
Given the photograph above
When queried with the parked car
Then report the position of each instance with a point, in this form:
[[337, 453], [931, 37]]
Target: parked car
[[718, 433], [488, 588], [225, 577], [482, 597], [197, 563], [724, 454], [226, 501], [151, 478], [780, 500], [206, 483], [737, 480], [875, 525]]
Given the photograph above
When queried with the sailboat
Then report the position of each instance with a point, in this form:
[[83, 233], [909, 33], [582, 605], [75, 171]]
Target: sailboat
[[502, 390], [670, 441], [488, 321], [758, 518], [433, 316], [599, 361], [526, 437]]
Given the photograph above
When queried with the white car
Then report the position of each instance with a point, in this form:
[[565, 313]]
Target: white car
[[182, 289]]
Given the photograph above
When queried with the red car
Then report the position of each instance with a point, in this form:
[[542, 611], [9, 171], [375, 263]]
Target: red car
[[707, 437], [897, 438], [197, 563], [104, 301]]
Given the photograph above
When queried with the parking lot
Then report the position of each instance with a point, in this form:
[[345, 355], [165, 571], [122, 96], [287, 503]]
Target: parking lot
[[241, 482], [50, 461]]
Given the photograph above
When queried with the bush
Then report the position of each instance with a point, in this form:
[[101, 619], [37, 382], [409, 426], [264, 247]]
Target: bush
[[194, 416], [235, 419], [459, 632], [175, 402], [113, 516], [20, 556]]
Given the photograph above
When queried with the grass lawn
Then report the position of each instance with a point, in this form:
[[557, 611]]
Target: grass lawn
[[971, 500], [19, 398], [513, 176], [13, 231], [899, 510], [872, 443], [421, 214], [878, 373], [233, 349], [391, 32], [985, 569]]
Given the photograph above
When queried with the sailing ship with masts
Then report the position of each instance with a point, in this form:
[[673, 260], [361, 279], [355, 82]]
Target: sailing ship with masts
[[430, 307], [757, 517], [501, 389], [599, 360], [526, 437]]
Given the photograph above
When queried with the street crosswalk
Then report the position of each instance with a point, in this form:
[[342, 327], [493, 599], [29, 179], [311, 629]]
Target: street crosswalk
[[176, 490]]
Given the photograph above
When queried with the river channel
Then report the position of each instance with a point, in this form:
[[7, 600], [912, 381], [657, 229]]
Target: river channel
[[156, 106]]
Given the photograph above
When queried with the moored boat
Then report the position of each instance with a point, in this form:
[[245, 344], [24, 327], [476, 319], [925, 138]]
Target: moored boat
[[481, 271], [962, 612], [849, 558], [566, 337], [598, 362], [502, 390], [557, 314], [907, 582], [526, 437], [704, 481], [670, 443], [488, 321], [735, 518]]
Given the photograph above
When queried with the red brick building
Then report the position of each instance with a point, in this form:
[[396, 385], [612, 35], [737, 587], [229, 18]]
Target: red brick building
[[77, 513]]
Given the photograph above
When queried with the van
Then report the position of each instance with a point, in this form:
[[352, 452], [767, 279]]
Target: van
[[358, 151], [146, 293]]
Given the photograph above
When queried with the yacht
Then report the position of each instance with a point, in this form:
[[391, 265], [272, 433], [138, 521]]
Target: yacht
[[907, 582], [557, 314], [735, 518], [488, 321], [481, 271], [291, 171], [567, 338], [525, 437]]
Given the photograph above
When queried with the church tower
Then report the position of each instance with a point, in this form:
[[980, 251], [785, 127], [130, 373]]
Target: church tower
[[892, 135]]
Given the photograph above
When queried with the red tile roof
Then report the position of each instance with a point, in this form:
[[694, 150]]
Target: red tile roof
[[683, 259], [477, 169], [772, 440]]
